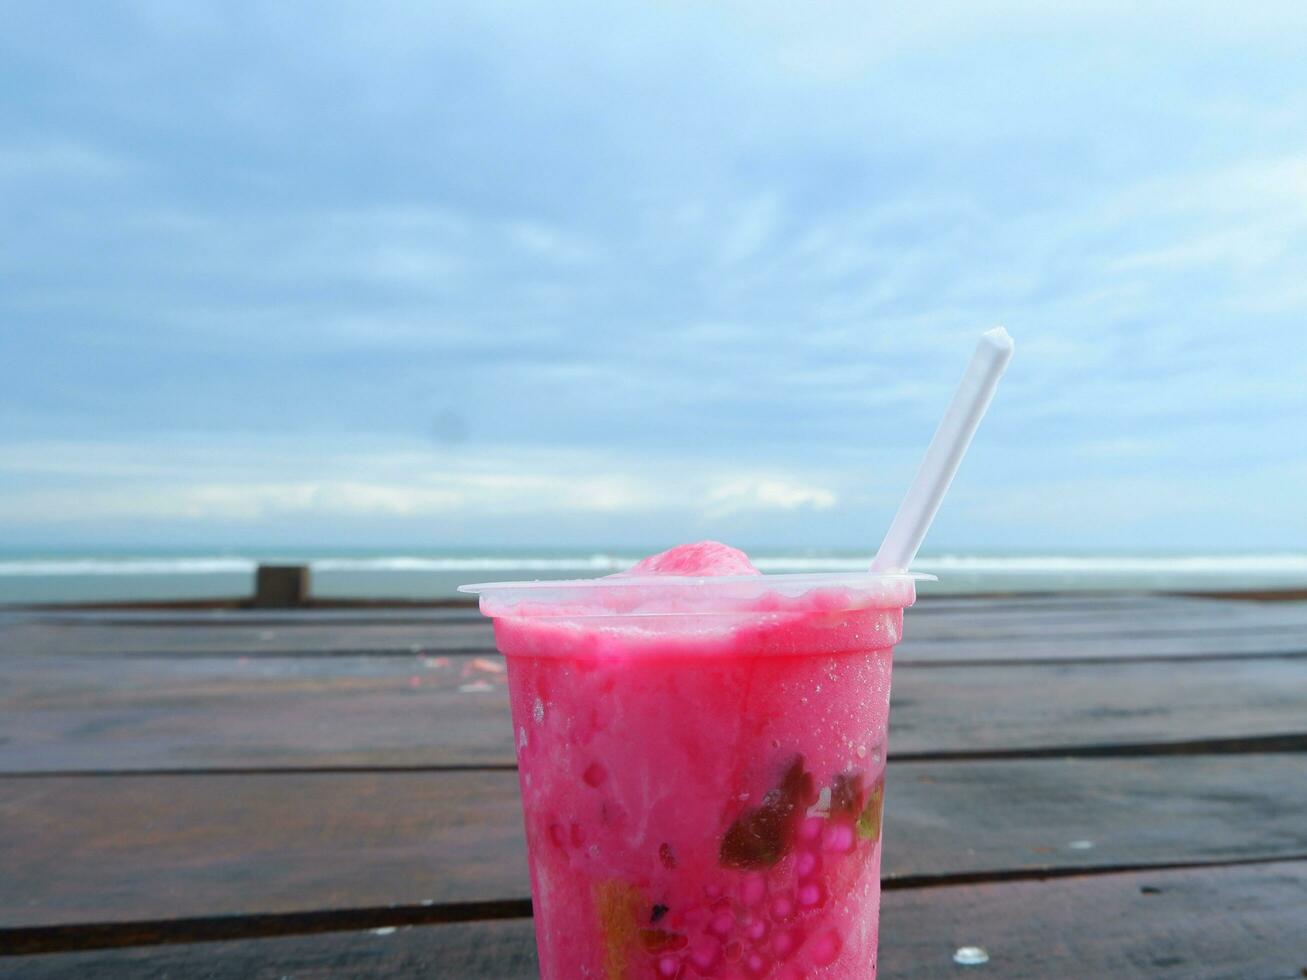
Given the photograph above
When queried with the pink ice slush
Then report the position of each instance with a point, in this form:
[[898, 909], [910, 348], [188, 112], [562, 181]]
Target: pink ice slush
[[701, 752]]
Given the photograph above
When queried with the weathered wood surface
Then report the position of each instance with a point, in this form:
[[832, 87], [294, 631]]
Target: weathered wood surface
[[121, 848], [1203, 924], [937, 630], [82, 714], [1136, 723], [89, 713]]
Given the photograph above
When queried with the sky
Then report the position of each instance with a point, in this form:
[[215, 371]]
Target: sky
[[586, 274]]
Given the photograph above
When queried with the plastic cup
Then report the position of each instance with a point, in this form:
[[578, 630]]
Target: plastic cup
[[702, 767]]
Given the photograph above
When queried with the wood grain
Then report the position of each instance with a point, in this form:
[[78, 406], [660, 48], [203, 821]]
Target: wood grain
[[1203, 924], [89, 713], [123, 848], [411, 690], [1125, 627]]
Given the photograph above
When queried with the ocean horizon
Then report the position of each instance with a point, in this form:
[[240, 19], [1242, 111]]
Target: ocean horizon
[[143, 574]]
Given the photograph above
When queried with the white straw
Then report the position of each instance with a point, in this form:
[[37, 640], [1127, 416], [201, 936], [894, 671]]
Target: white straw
[[949, 445]]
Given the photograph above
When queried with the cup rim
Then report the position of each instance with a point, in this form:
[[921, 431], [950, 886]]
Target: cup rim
[[814, 579]]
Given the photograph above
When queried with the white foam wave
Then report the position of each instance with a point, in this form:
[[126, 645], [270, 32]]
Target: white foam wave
[[601, 564], [593, 563], [126, 566]]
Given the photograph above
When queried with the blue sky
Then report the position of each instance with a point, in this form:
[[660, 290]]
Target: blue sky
[[628, 274]]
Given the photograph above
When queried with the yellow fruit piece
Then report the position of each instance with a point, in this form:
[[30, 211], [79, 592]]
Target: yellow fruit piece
[[618, 905]]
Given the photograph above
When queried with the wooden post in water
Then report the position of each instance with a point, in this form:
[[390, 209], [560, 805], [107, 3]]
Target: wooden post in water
[[280, 586]]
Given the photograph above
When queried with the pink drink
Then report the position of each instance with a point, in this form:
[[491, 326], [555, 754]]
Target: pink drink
[[702, 765]]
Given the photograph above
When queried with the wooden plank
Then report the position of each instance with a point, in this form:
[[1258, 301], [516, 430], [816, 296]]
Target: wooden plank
[[83, 714], [122, 848], [1177, 646], [1123, 629], [315, 639], [1049, 608], [221, 618], [87, 713], [114, 849], [1076, 607], [1077, 706], [475, 639], [1197, 924]]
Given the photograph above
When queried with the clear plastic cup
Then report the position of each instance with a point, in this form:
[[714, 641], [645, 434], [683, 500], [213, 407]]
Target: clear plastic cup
[[702, 769]]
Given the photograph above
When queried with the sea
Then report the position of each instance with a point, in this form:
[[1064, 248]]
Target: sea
[[145, 574]]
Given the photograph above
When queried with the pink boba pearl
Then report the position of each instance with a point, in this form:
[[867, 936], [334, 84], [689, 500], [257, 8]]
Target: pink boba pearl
[[756, 964], [781, 908], [807, 864], [756, 930], [839, 838], [810, 829], [668, 966], [825, 948], [753, 890], [785, 943], [723, 924], [705, 957], [811, 895]]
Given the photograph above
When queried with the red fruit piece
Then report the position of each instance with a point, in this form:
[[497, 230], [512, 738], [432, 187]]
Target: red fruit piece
[[594, 775], [761, 836], [667, 856], [846, 795], [661, 941], [810, 829]]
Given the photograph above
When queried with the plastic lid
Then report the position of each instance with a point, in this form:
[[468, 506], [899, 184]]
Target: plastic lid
[[675, 595]]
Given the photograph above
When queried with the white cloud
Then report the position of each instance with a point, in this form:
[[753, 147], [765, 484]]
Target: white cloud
[[550, 243], [750, 230], [100, 482], [763, 232], [762, 493], [61, 159]]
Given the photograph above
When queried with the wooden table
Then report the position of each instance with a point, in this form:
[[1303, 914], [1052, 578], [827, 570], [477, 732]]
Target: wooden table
[[1083, 786]]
